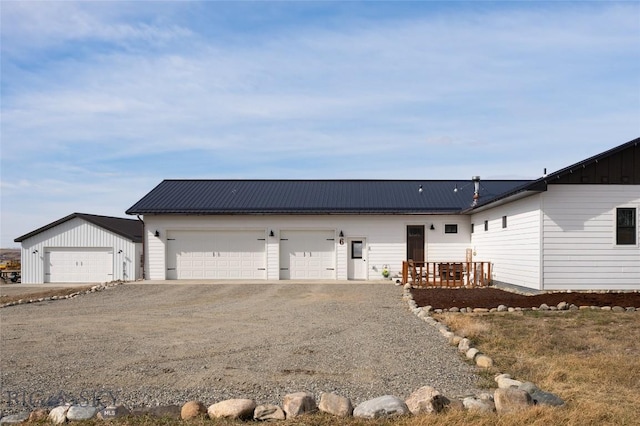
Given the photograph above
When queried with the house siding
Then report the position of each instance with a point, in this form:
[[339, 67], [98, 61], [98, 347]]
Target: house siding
[[579, 249], [514, 250], [77, 233], [385, 236]]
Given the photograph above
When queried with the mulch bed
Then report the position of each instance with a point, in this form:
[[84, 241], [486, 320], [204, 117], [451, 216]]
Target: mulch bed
[[445, 298]]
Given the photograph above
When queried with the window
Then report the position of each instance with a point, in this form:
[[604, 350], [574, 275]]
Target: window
[[486, 225], [472, 228], [504, 222], [626, 226], [451, 229], [356, 249]]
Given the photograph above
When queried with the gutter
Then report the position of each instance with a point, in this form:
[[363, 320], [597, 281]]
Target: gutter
[[142, 255]]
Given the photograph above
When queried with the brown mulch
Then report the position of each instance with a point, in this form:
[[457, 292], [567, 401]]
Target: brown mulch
[[445, 298]]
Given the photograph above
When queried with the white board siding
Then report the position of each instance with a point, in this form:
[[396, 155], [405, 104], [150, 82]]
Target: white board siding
[[78, 233], [514, 250], [385, 236], [579, 250]]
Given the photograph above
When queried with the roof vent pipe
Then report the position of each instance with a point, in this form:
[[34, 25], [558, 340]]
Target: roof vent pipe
[[476, 190]]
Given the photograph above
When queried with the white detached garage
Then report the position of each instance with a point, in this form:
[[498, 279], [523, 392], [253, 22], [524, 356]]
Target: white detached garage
[[82, 248]]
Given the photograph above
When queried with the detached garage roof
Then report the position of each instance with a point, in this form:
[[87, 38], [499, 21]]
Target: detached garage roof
[[127, 228], [316, 196]]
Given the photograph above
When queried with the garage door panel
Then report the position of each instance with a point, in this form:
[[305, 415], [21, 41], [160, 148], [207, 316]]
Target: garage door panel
[[307, 255], [216, 255], [78, 265]]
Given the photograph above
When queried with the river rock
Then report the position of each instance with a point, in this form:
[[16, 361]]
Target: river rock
[[472, 403], [483, 361], [335, 404], [58, 415], [240, 408], [511, 400], [471, 353], [562, 306], [541, 397], [268, 412], [507, 382], [298, 403], [464, 345], [14, 419], [38, 415], [383, 406], [425, 400], [81, 412], [502, 308], [192, 409]]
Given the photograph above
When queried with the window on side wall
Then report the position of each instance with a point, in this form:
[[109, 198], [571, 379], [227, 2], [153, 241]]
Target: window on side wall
[[450, 228], [626, 230]]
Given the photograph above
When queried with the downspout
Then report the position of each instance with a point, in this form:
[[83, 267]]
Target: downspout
[[142, 255]]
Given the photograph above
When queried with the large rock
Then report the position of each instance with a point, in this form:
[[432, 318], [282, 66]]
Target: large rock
[[58, 415], [81, 412], [295, 404], [192, 409], [383, 406], [425, 400], [464, 345], [38, 415], [541, 397], [14, 419], [472, 403], [268, 412], [511, 400], [483, 361], [335, 404], [507, 382], [233, 409], [471, 353]]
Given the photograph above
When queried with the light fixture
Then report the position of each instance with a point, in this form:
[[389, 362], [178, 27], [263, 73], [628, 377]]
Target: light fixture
[[341, 234], [432, 227], [35, 251], [120, 251], [157, 234], [271, 234]]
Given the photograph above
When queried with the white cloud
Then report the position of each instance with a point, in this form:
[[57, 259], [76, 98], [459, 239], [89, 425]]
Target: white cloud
[[99, 95]]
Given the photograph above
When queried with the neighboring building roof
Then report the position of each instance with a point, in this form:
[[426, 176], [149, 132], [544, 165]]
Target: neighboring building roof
[[632, 159], [127, 228], [316, 196]]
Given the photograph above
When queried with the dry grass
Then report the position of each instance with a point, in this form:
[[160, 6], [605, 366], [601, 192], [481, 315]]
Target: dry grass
[[26, 295]]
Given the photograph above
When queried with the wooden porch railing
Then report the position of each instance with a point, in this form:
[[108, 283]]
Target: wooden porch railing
[[446, 274]]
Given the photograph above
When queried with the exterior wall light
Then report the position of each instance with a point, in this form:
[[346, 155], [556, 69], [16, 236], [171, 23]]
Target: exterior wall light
[[157, 234], [341, 234], [271, 234], [432, 227]]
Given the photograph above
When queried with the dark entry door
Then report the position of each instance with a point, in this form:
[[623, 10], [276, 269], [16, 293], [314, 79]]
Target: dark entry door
[[415, 243]]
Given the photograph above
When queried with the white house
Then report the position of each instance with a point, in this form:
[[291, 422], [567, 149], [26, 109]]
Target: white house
[[572, 229], [82, 248]]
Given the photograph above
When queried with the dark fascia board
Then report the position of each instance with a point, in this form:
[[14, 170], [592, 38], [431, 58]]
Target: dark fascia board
[[106, 222], [540, 185]]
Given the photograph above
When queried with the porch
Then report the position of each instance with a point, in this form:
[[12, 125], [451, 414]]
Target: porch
[[446, 274]]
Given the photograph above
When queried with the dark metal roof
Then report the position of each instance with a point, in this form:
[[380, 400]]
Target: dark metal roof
[[128, 228], [315, 196], [540, 185]]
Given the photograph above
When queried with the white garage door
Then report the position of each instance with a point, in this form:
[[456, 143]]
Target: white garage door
[[216, 255], [307, 255], [74, 265]]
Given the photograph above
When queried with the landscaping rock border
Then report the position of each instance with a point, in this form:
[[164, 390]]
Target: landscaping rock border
[[96, 288]]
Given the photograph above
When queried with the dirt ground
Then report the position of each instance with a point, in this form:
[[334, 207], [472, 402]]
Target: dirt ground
[[442, 298]]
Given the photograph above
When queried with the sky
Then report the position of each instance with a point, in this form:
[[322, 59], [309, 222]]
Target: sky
[[101, 101]]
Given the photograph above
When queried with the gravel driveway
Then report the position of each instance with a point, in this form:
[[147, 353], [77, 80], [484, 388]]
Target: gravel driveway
[[149, 344]]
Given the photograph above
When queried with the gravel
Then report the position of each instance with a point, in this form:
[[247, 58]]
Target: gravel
[[156, 344]]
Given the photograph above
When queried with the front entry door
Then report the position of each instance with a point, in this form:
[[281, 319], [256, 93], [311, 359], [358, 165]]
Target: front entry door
[[357, 268], [415, 243]]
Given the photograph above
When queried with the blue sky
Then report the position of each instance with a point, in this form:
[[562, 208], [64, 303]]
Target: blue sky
[[100, 101]]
